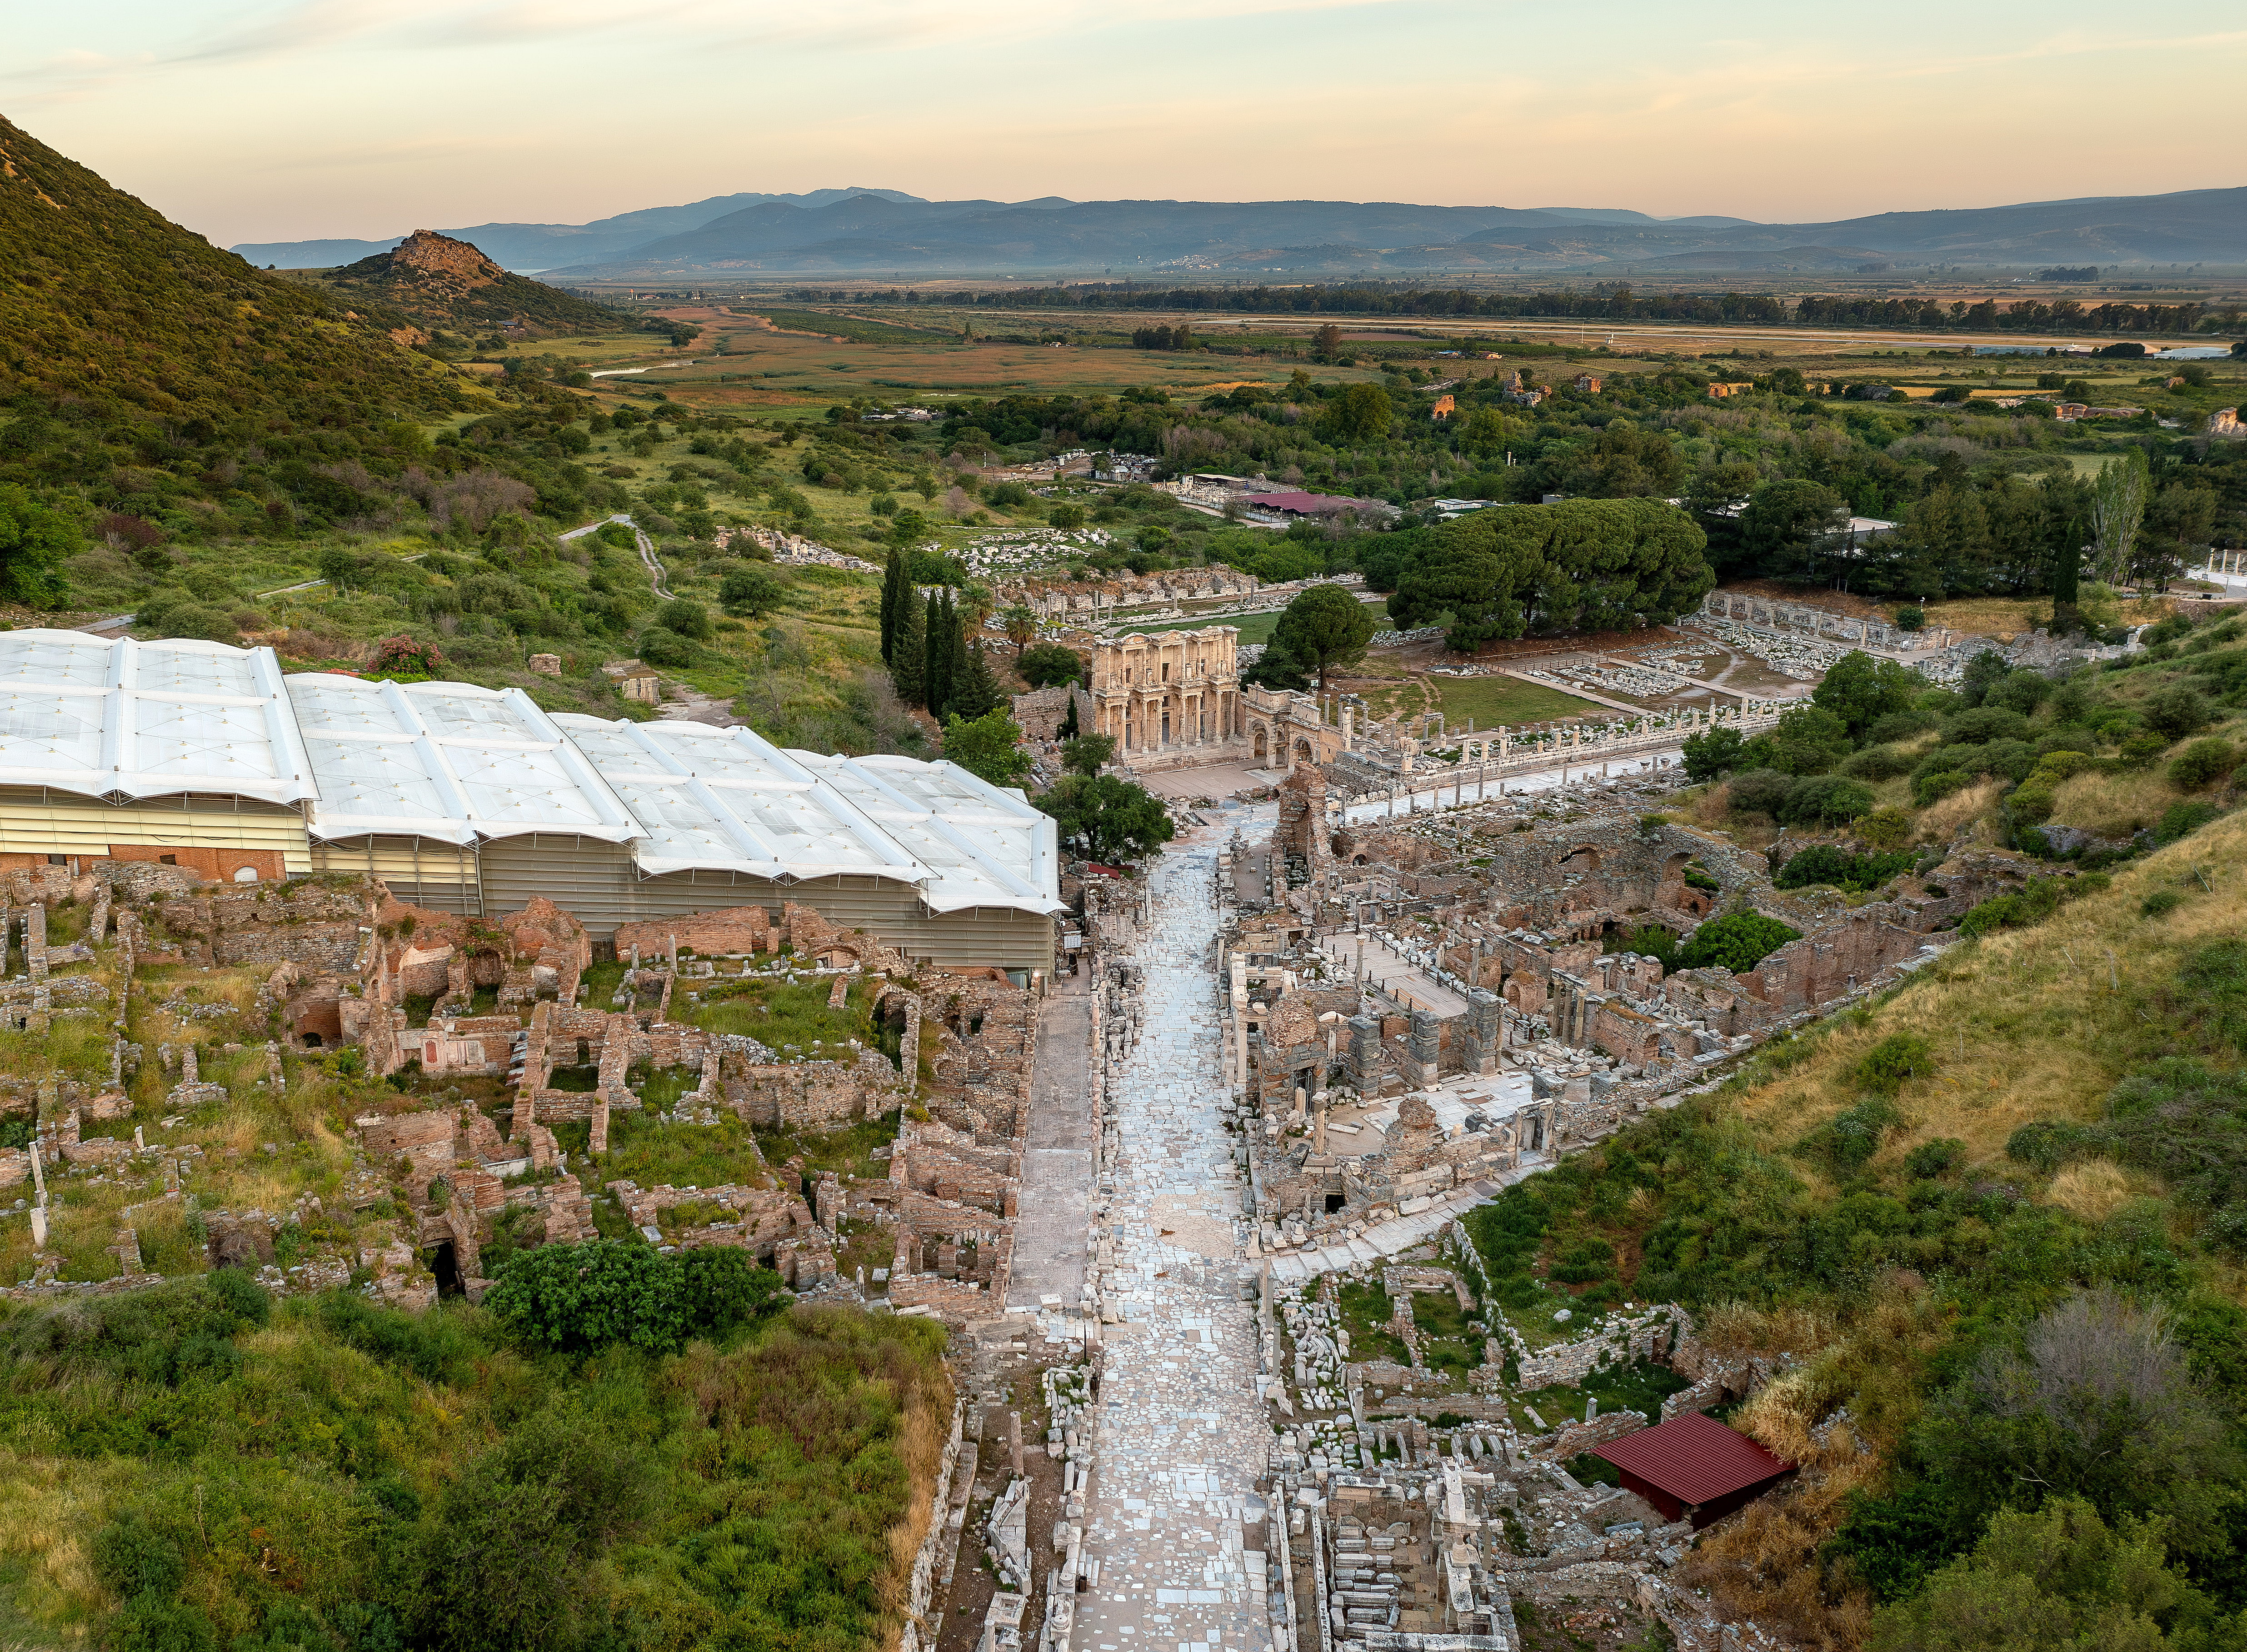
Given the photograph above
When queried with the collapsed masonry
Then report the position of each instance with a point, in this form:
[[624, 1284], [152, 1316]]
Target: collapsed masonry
[[486, 1027], [1416, 1011], [1419, 1513]]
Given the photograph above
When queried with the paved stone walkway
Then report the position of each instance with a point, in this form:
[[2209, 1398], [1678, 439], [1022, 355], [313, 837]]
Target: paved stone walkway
[[1391, 972], [1057, 1199], [1182, 1436]]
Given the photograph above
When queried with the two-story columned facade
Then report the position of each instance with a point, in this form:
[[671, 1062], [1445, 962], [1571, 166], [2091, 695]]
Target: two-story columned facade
[[1171, 697]]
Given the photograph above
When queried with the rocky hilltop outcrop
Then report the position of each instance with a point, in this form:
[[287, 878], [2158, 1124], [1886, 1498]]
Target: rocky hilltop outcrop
[[436, 281]]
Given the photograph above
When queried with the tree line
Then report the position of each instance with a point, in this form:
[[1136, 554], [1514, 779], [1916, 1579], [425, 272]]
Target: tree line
[[1603, 301]]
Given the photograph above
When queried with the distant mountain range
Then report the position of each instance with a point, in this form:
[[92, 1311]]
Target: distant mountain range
[[879, 231]]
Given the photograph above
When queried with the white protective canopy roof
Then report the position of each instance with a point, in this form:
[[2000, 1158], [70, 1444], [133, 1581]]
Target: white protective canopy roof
[[979, 846], [127, 719], [447, 760], [458, 763], [726, 799]]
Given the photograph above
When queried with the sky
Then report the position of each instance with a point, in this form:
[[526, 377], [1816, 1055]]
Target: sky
[[286, 120]]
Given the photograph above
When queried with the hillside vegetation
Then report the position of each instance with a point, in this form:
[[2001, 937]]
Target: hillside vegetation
[[111, 314], [1993, 1224], [194, 1467]]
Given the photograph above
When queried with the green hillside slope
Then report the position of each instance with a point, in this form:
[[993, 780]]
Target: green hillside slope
[[110, 311], [1987, 1231]]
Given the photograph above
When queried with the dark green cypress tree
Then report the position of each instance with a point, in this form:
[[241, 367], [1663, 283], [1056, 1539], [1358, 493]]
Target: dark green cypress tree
[[975, 691], [894, 590], [957, 677], [908, 656], [936, 684]]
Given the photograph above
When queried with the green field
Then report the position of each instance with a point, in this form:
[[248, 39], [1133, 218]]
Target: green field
[[1496, 702]]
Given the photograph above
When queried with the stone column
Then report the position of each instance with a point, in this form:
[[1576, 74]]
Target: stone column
[[1421, 1043], [1482, 1023], [1364, 1050]]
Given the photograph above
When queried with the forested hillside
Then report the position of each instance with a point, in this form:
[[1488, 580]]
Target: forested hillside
[[111, 316]]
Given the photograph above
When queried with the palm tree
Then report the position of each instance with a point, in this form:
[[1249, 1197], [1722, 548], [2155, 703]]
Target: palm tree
[[1021, 627]]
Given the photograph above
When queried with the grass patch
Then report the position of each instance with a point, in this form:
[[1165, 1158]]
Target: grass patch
[[849, 1151], [1493, 702], [790, 1019], [1366, 1313], [652, 1154]]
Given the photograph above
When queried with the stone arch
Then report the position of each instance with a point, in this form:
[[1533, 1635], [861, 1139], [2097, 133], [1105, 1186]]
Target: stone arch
[[1257, 733], [1303, 751], [1512, 991], [1583, 858]]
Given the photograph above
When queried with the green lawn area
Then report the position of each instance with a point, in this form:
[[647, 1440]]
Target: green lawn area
[[784, 1017], [1494, 701], [1256, 628]]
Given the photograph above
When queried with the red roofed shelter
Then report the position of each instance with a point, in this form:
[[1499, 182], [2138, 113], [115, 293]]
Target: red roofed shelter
[[1692, 1467]]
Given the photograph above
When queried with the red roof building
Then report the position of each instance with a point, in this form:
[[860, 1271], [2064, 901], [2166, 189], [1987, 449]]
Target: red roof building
[[1693, 1467], [1303, 504]]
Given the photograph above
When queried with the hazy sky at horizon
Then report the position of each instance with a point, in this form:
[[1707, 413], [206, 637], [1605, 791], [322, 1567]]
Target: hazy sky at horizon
[[289, 120]]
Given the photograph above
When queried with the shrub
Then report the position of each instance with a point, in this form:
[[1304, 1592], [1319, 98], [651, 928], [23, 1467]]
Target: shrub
[[2182, 820], [1713, 753], [1933, 788], [1931, 1159], [2022, 691], [1879, 762], [2034, 801], [2176, 711], [1825, 800], [581, 1297], [1048, 664], [1908, 618], [2202, 763], [1821, 863], [1899, 725], [2010, 759], [2140, 750], [1739, 941], [2048, 1143], [1979, 725], [684, 616], [2160, 903], [1886, 828], [660, 646], [1851, 1137], [132, 1558], [2031, 905], [1761, 791], [1898, 1057]]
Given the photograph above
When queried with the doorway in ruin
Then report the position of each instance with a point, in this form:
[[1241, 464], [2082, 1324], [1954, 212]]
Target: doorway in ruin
[[1260, 746], [1302, 751], [446, 1267], [1336, 1201]]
